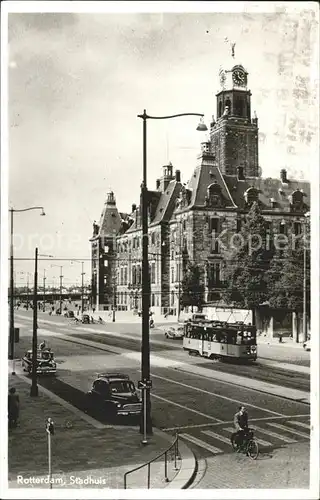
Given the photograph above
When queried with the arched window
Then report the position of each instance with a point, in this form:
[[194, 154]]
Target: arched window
[[239, 105], [228, 105], [251, 195], [214, 195], [297, 201]]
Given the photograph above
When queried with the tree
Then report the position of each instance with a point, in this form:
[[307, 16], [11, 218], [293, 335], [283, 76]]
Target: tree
[[192, 287], [285, 281], [246, 282]]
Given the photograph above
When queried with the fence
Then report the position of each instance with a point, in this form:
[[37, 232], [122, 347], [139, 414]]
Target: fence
[[170, 453]]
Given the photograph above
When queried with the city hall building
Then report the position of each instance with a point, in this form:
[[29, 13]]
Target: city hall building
[[182, 217]]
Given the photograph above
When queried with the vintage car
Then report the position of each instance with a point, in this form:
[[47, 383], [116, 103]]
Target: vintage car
[[174, 332], [69, 314], [85, 318], [306, 345], [45, 362], [113, 395]]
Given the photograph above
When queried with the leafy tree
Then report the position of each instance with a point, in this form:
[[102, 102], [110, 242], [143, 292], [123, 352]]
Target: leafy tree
[[246, 281], [285, 280], [192, 287]]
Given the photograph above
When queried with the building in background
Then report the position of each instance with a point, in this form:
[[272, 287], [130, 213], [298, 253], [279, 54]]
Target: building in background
[[225, 183]]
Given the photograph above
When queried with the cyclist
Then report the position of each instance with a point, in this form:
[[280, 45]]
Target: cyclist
[[240, 421]]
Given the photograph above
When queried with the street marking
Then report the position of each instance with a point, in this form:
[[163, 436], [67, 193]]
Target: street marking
[[259, 440], [186, 408], [287, 429], [273, 434], [300, 424], [228, 422], [217, 395], [202, 444], [217, 436]]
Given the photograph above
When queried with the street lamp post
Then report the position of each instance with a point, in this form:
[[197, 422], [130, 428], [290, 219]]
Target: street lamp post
[[11, 328], [82, 283], [44, 290], [34, 385], [146, 427], [305, 326]]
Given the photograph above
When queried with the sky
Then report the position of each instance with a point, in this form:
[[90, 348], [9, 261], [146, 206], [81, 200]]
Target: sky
[[77, 81]]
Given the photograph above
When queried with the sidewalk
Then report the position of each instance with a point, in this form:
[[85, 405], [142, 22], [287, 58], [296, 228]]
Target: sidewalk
[[286, 467], [84, 456]]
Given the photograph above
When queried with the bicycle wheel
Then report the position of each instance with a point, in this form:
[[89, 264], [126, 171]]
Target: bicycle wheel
[[252, 449], [234, 445]]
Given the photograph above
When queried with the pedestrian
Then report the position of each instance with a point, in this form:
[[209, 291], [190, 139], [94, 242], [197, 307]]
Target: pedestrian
[[13, 408]]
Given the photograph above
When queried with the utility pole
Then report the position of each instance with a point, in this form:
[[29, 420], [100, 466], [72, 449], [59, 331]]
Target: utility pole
[[27, 291], [44, 290], [179, 268], [34, 386], [61, 289], [305, 326], [82, 286]]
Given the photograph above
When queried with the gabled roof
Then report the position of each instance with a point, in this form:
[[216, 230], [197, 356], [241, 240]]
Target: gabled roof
[[205, 175], [268, 188], [166, 203], [110, 221]]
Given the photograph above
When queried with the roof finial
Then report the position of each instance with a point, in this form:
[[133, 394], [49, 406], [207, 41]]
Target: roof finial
[[233, 44], [232, 49]]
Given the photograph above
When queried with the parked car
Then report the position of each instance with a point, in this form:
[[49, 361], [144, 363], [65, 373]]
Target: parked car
[[85, 318], [113, 395], [69, 314], [45, 362], [306, 345], [174, 333]]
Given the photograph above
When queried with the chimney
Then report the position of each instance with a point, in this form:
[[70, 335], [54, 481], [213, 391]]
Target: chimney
[[157, 183], [240, 173], [283, 176], [178, 176], [134, 207]]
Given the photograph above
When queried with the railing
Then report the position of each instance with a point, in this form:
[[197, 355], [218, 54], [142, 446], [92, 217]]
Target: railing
[[169, 453]]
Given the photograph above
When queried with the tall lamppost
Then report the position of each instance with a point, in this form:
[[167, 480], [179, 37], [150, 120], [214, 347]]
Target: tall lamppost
[[82, 281], [44, 290], [146, 427], [11, 333], [305, 327], [61, 267]]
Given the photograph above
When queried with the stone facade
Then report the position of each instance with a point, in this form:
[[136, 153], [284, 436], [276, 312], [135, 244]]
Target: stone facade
[[185, 219]]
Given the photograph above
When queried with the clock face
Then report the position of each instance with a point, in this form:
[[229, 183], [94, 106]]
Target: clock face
[[239, 78]]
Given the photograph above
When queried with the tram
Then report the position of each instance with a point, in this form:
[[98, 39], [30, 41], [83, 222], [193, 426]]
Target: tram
[[221, 340]]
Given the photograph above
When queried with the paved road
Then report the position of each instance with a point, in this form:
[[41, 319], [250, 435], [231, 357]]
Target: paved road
[[200, 409]]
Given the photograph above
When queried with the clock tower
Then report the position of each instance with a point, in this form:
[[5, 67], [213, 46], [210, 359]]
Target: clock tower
[[234, 136]]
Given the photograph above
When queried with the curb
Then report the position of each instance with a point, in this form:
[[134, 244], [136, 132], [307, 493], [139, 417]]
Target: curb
[[188, 468]]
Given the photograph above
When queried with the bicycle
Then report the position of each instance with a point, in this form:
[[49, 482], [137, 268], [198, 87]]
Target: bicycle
[[249, 445]]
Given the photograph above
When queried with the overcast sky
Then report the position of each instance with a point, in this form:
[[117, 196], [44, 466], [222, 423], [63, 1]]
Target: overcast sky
[[78, 80]]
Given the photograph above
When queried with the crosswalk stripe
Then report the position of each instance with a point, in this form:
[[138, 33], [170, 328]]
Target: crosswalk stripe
[[200, 443], [259, 440], [299, 424], [273, 434], [217, 436], [288, 429]]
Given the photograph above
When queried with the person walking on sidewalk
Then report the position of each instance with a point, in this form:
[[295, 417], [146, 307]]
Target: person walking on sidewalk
[[13, 408]]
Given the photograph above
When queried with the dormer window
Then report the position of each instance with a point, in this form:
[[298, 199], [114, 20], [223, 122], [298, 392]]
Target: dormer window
[[296, 201], [251, 195], [214, 195]]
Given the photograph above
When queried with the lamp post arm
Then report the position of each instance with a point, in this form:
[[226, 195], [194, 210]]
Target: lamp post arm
[[25, 209], [144, 116]]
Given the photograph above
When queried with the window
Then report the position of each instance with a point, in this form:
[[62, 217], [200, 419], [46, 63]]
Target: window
[[297, 228], [282, 228], [106, 263], [138, 275], [121, 276], [125, 298], [152, 300], [213, 274], [134, 275], [220, 108], [172, 275], [152, 238], [172, 297], [238, 224], [125, 276], [153, 273]]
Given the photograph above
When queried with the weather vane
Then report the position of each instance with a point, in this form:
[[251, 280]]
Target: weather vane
[[233, 44]]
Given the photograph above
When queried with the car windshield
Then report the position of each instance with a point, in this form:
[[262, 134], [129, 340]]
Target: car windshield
[[121, 386]]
